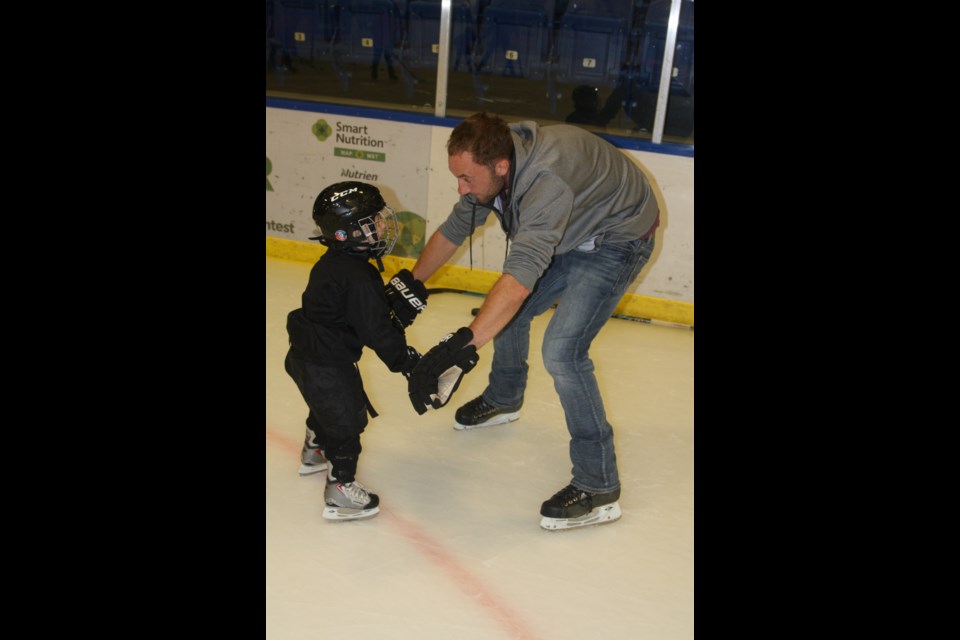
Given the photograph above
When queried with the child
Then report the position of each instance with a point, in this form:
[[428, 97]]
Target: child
[[344, 308]]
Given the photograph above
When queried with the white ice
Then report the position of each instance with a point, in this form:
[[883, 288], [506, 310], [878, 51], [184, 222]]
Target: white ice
[[457, 551]]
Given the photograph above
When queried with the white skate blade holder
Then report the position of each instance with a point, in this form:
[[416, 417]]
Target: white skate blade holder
[[341, 514], [446, 383], [600, 515]]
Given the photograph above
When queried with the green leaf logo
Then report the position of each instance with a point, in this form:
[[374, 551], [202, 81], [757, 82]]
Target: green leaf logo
[[413, 230], [269, 167], [322, 130]]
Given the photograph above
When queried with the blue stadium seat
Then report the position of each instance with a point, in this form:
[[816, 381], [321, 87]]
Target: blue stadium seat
[[370, 31], [592, 41], [653, 40], [421, 50], [515, 38], [645, 77], [302, 29]]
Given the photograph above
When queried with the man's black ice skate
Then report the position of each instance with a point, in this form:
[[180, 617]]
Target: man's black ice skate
[[479, 413], [572, 507]]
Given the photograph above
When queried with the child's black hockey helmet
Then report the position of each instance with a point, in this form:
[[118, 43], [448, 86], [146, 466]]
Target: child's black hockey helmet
[[353, 216]]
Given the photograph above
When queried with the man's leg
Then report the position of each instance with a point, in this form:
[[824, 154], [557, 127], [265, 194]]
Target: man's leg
[[596, 282], [501, 400]]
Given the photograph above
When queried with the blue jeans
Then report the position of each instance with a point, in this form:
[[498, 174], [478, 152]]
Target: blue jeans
[[587, 288]]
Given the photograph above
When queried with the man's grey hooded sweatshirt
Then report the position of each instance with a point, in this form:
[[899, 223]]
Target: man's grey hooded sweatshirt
[[568, 187]]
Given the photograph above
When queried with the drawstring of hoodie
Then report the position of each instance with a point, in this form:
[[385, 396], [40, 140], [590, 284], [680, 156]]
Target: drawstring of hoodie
[[473, 225], [506, 231], [505, 203], [504, 220]]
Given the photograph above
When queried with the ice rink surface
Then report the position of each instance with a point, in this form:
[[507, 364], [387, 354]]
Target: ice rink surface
[[457, 551]]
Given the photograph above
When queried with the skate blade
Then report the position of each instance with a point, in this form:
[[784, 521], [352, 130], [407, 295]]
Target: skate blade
[[340, 514], [308, 469], [600, 515], [503, 418]]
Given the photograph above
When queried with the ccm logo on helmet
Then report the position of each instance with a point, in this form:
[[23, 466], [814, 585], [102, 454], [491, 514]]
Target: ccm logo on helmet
[[339, 194], [405, 292]]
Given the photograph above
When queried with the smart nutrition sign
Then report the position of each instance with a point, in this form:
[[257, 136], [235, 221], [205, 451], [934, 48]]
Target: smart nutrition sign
[[357, 135], [308, 151]]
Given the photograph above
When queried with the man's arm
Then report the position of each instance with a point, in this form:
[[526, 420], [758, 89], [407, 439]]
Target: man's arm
[[502, 303], [433, 256]]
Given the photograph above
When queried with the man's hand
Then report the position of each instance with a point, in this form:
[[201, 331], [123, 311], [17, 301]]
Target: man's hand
[[407, 297], [438, 373]]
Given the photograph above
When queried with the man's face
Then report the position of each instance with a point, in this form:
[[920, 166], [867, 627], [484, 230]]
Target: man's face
[[476, 179]]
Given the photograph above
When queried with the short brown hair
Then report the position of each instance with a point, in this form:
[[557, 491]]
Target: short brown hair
[[485, 135]]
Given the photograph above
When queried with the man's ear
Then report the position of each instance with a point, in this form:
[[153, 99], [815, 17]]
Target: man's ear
[[502, 167]]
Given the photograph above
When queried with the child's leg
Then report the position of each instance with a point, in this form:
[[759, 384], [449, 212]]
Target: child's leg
[[347, 499], [343, 455], [338, 411], [338, 415], [314, 438]]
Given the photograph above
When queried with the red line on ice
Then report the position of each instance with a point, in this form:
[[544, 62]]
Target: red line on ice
[[470, 585]]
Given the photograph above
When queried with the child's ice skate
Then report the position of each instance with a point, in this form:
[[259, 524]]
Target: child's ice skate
[[570, 508], [312, 460], [349, 501]]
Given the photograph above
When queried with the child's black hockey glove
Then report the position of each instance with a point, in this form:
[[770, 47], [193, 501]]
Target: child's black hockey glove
[[413, 357], [439, 372], [407, 297]]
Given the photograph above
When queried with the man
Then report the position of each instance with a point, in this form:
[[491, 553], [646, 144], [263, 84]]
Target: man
[[580, 219]]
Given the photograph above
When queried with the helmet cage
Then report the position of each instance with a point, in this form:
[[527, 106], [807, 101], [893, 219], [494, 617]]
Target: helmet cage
[[380, 231], [375, 234]]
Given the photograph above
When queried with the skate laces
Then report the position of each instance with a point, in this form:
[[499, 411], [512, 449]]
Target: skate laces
[[356, 492], [478, 406], [568, 495]]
